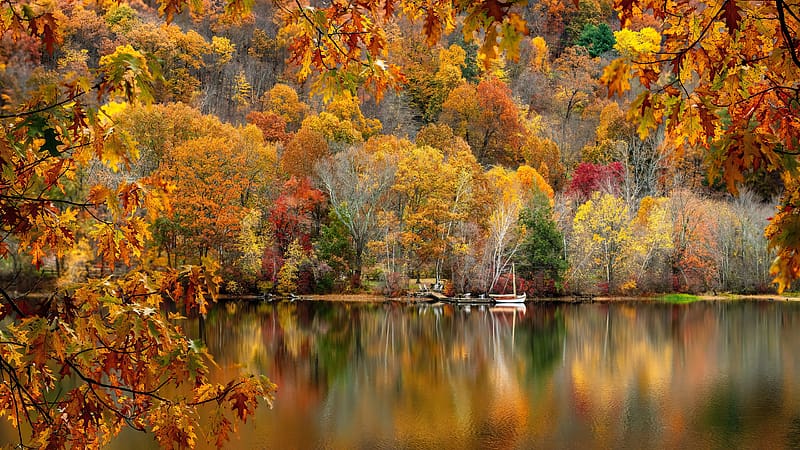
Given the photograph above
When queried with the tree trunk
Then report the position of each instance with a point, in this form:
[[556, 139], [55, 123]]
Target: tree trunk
[[355, 281]]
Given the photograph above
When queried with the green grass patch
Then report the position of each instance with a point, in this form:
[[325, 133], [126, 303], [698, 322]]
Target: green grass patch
[[678, 298]]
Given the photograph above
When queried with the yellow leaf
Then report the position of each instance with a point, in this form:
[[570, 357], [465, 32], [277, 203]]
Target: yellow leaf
[[617, 77], [690, 124]]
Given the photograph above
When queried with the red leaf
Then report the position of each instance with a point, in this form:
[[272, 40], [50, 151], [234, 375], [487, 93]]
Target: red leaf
[[432, 27], [239, 404], [49, 38], [388, 9], [625, 7], [495, 9], [676, 63], [731, 14]]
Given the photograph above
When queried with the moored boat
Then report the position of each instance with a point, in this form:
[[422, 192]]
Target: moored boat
[[513, 297], [509, 298], [469, 299]]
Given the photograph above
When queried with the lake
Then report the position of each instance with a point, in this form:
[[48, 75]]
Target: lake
[[621, 375]]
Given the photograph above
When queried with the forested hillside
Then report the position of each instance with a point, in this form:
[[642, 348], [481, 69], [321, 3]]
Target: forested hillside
[[456, 168]]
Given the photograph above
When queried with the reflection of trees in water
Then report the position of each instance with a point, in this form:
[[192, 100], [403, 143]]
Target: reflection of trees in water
[[432, 338], [543, 343], [722, 414], [393, 374], [707, 374], [440, 366]]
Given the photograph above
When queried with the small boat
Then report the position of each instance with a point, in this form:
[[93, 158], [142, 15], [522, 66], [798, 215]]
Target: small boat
[[510, 298], [470, 300]]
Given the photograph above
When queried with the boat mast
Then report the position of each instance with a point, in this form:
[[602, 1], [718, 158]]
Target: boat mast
[[514, 279]]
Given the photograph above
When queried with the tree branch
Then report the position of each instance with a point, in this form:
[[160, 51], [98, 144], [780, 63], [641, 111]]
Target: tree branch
[[48, 200], [117, 412], [785, 31], [42, 109], [23, 392], [11, 302], [328, 36], [152, 393], [222, 394]]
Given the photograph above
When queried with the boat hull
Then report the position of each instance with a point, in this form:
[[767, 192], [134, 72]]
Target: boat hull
[[508, 298]]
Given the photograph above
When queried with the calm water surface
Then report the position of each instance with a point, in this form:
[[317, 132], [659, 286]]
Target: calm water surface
[[390, 375]]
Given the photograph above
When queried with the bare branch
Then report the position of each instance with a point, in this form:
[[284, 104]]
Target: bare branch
[[786, 31]]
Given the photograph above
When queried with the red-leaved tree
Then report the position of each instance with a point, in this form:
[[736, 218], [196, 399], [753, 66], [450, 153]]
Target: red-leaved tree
[[589, 178]]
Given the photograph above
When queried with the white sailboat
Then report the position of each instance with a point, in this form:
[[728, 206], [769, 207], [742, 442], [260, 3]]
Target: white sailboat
[[510, 298]]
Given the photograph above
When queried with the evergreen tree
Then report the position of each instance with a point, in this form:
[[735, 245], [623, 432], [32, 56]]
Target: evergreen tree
[[597, 39], [541, 255]]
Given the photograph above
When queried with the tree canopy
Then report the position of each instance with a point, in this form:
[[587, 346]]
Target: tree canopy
[[721, 77]]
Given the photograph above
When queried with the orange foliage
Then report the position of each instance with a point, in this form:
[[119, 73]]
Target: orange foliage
[[543, 155], [488, 119], [301, 155], [272, 126], [292, 213], [531, 180], [207, 197], [693, 236], [733, 72], [442, 137]]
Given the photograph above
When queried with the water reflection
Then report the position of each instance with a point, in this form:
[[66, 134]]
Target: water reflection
[[390, 375]]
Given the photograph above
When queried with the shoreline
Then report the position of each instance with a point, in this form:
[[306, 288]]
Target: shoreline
[[372, 298]]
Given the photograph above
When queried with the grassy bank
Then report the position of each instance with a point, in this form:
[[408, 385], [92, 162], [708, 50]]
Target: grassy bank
[[678, 298]]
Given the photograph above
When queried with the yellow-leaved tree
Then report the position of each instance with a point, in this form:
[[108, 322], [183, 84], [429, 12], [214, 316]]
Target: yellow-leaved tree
[[601, 238]]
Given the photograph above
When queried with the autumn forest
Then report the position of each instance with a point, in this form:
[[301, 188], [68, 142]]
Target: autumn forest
[[165, 151]]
